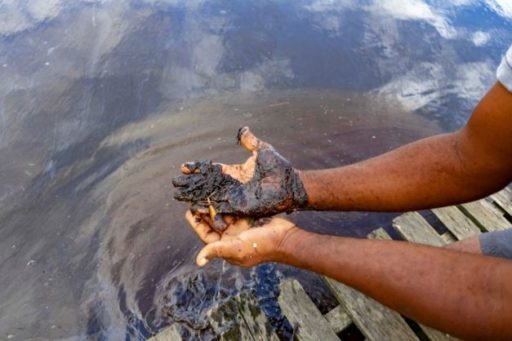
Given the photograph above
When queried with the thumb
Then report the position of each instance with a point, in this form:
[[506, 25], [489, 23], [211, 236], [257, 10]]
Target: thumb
[[210, 251], [249, 141]]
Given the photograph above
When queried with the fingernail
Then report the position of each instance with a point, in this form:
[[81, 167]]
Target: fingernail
[[240, 133], [202, 261]]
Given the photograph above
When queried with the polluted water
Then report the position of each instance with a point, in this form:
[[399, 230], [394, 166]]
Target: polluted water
[[133, 238]]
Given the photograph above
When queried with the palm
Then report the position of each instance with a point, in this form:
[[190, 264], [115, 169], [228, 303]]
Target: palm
[[264, 185], [240, 243]]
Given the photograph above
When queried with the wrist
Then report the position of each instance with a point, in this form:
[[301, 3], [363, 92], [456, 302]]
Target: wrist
[[300, 195], [286, 251]]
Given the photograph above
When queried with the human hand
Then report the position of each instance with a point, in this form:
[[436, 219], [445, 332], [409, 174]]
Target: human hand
[[266, 184], [244, 242]]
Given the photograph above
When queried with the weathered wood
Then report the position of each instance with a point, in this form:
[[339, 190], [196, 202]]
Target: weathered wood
[[300, 310], [486, 215], [456, 222], [240, 319], [413, 227], [504, 199], [338, 319], [374, 320], [448, 237], [170, 333], [255, 320], [436, 335], [433, 334], [379, 233]]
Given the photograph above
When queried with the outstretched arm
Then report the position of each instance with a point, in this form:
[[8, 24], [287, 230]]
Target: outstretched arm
[[463, 294], [437, 171], [460, 293]]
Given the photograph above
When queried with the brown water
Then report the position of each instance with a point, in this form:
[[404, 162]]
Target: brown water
[[100, 102], [114, 246]]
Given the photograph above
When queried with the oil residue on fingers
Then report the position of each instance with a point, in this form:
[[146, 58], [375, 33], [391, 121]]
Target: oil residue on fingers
[[274, 188]]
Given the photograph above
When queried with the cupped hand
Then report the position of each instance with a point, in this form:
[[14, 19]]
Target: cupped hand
[[266, 184], [245, 242]]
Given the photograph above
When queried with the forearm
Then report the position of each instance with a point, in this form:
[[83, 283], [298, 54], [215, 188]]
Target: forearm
[[463, 294], [432, 172], [441, 170]]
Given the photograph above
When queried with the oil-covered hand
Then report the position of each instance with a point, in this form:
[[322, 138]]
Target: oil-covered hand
[[266, 184], [240, 243]]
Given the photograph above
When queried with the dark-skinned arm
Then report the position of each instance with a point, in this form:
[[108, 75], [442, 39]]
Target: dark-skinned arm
[[464, 294], [438, 171]]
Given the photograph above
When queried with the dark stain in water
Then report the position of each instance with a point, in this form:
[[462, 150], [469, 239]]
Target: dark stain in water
[[117, 230]]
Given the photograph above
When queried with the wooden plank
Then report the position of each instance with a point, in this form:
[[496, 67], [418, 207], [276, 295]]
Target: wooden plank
[[456, 222], [433, 334], [379, 233], [436, 335], [240, 319], [255, 320], [448, 237], [170, 333], [486, 215], [338, 319], [413, 227], [504, 199], [301, 311], [374, 320]]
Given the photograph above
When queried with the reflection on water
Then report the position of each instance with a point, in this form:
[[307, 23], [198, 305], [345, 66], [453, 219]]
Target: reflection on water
[[102, 100]]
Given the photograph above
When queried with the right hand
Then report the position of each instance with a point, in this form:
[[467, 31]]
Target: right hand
[[245, 242], [266, 184]]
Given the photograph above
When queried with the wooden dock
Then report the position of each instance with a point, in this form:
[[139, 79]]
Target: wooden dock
[[241, 319]]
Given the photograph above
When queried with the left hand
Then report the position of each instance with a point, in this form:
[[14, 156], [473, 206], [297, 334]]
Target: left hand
[[264, 185], [241, 244]]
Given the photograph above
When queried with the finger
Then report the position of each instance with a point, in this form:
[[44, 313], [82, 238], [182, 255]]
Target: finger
[[216, 222], [184, 169], [192, 191], [183, 195], [229, 219], [207, 219], [223, 207], [181, 180], [219, 249], [190, 167], [199, 209], [188, 181], [250, 142], [237, 227], [201, 228], [219, 224], [206, 253]]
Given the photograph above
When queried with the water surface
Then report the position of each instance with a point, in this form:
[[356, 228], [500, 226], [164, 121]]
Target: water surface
[[102, 101]]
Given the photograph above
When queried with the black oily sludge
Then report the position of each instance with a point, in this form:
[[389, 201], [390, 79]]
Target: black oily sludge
[[274, 188]]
